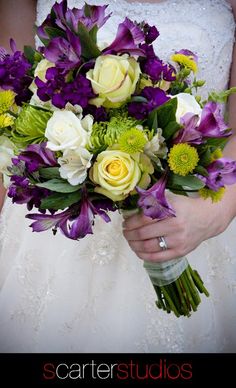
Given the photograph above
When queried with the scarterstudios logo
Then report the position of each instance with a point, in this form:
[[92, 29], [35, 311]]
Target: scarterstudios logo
[[162, 370]]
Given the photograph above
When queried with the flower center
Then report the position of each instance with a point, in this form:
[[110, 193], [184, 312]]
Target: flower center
[[114, 168], [184, 158], [131, 140]]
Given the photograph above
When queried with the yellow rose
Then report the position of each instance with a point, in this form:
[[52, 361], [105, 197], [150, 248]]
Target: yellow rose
[[114, 79], [116, 173]]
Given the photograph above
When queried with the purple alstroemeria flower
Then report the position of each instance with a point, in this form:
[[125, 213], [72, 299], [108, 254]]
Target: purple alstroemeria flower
[[36, 156], [75, 222], [189, 133], [128, 38], [59, 91], [151, 33], [188, 53], [154, 98], [82, 225], [22, 192], [89, 16], [153, 201], [212, 123], [221, 172], [65, 53], [14, 76], [63, 18]]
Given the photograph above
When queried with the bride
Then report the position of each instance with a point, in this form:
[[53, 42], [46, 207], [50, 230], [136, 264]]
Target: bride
[[58, 295]]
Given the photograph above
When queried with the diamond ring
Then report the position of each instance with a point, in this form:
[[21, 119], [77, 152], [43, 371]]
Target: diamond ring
[[162, 243]]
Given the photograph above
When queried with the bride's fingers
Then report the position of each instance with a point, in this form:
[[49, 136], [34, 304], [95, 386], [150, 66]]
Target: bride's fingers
[[136, 221], [149, 231], [149, 246]]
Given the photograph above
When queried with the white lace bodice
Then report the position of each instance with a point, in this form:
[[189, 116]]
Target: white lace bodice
[[204, 26]]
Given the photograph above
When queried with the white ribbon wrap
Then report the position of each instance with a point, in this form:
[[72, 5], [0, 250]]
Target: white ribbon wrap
[[161, 273]]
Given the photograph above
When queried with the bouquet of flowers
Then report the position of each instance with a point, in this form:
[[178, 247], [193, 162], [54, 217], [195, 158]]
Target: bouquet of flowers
[[88, 127]]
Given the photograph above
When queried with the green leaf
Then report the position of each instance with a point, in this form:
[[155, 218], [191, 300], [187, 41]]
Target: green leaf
[[60, 201], [164, 117], [201, 170], [223, 96], [218, 142], [87, 10], [178, 190], [205, 157], [189, 181], [49, 172], [152, 120], [29, 53], [59, 185], [171, 128], [89, 48], [53, 32], [93, 34], [166, 113]]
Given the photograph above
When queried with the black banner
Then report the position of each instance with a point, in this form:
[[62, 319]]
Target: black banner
[[117, 370]]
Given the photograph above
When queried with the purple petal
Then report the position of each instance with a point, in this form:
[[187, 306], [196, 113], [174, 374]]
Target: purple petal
[[212, 123], [62, 53], [153, 201], [189, 133], [154, 97], [221, 172], [127, 39], [151, 33]]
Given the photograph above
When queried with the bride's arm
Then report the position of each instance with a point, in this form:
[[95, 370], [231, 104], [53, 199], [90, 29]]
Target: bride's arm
[[17, 21], [197, 219]]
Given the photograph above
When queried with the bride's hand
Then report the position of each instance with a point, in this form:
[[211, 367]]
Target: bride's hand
[[196, 220]]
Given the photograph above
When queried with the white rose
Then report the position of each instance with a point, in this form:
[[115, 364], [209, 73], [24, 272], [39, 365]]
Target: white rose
[[6, 154], [186, 104], [66, 131], [74, 165]]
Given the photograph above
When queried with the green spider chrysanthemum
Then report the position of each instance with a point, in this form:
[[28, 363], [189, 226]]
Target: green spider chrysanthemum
[[7, 99], [30, 126], [182, 159], [6, 120], [132, 141], [107, 133], [215, 196]]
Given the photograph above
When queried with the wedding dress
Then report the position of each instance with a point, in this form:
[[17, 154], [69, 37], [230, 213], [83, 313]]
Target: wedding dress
[[59, 295]]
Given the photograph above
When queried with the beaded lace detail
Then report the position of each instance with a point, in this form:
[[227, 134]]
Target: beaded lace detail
[[94, 295]]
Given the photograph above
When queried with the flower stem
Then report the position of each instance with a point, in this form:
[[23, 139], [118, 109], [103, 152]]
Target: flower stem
[[170, 302], [181, 296], [198, 281]]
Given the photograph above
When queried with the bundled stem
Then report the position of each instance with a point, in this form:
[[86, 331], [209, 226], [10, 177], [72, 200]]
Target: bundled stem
[[181, 296]]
